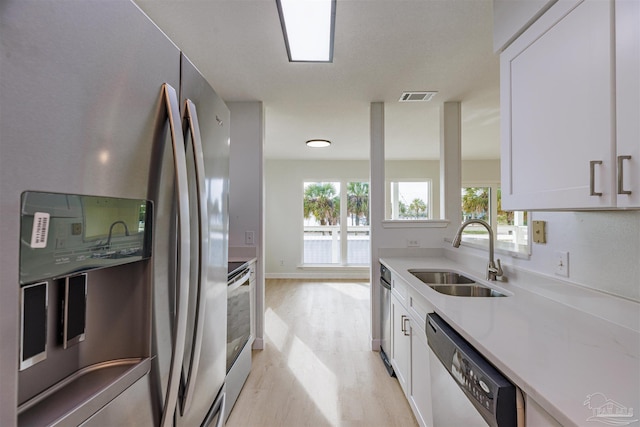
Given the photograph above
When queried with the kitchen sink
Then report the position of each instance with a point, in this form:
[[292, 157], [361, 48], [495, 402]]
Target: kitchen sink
[[441, 277], [467, 290], [455, 284]]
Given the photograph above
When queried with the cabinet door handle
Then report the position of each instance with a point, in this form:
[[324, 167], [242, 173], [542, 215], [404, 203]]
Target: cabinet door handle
[[621, 189], [404, 325], [592, 177]]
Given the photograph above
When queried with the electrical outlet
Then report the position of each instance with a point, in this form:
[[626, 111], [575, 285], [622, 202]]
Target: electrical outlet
[[249, 238], [562, 263], [413, 243]]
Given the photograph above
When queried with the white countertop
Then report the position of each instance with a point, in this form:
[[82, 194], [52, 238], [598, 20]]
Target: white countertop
[[556, 353]]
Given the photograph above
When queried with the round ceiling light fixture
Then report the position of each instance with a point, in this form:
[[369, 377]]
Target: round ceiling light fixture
[[318, 143]]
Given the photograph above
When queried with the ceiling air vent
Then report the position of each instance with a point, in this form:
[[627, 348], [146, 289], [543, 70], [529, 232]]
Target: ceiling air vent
[[417, 96]]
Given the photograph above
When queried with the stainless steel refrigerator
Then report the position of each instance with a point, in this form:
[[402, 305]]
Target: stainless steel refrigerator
[[113, 212]]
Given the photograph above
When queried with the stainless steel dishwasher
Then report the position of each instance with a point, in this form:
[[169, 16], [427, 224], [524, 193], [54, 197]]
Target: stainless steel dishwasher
[[385, 317], [466, 389]]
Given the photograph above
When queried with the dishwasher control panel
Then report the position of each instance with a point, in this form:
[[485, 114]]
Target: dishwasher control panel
[[473, 382], [491, 393]]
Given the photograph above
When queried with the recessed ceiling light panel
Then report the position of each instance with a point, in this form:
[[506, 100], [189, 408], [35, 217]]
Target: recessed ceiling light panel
[[308, 28], [417, 96], [318, 143]]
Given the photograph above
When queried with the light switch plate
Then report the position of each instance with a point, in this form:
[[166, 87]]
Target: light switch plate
[[539, 232]]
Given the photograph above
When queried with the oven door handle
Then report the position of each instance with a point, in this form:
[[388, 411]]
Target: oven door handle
[[236, 283], [191, 125]]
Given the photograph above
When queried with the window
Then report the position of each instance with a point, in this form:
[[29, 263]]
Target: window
[[476, 205], [321, 222], [325, 223], [510, 228], [358, 230], [410, 200]]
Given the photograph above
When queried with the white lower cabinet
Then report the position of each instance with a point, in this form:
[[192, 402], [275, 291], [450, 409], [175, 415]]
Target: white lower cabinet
[[536, 416], [410, 355], [400, 342], [419, 376]]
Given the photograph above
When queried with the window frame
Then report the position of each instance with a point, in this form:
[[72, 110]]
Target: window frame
[[343, 226], [499, 246], [389, 201]]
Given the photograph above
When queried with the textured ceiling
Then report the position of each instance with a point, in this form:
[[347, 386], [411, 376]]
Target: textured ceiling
[[382, 48]]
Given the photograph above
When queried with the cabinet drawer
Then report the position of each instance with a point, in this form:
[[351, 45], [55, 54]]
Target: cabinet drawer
[[399, 288], [418, 309]]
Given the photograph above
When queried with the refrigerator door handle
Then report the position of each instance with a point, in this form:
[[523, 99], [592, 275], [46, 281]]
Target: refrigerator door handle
[[191, 116], [182, 291]]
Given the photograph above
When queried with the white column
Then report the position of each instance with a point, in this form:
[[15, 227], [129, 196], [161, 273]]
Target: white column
[[376, 211], [450, 162], [246, 212]]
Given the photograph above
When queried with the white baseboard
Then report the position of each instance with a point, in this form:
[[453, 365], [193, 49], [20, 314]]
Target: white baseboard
[[258, 344], [358, 275], [375, 344]]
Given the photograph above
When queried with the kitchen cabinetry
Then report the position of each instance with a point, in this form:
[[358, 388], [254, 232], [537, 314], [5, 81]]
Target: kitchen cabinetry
[[511, 18], [627, 18], [410, 354], [400, 342], [419, 392], [535, 415], [558, 106]]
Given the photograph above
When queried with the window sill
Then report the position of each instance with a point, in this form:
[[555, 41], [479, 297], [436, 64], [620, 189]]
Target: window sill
[[415, 223], [504, 248]]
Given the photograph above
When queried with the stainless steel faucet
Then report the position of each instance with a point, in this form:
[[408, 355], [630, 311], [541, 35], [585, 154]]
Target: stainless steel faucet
[[493, 271]]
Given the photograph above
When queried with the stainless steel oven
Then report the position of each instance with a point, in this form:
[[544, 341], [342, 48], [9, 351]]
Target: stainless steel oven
[[238, 310], [238, 331], [385, 318]]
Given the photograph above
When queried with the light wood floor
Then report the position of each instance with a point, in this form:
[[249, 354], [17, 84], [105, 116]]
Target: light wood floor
[[317, 368]]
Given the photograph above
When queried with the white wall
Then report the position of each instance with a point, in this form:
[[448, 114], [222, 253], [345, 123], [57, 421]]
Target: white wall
[[481, 171], [246, 194], [284, 181], [245, 172], [604, 249], [283, 208]]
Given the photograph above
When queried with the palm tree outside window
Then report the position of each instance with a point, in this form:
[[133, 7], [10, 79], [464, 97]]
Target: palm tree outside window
[[510, 227], [325, 223]]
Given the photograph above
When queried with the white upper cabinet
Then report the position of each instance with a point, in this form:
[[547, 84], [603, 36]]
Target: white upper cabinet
[[512, 17], [628, 102], [558, 105]]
